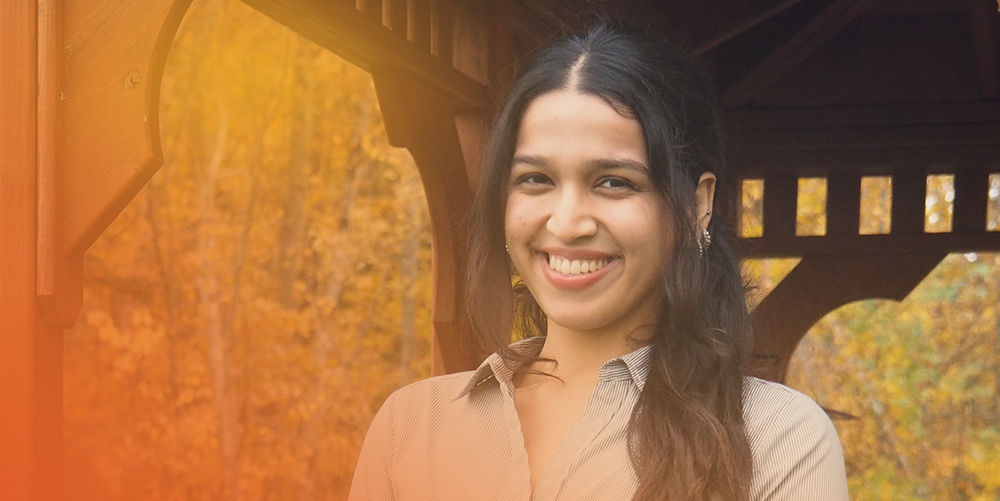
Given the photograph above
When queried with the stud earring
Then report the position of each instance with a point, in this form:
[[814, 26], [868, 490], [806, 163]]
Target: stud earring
[[506, 248]]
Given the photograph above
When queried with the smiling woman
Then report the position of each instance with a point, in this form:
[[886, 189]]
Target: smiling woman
[[599, 182]]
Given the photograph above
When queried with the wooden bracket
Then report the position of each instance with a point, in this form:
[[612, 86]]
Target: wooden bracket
[[429, 123], [819, 285], [99, 65]]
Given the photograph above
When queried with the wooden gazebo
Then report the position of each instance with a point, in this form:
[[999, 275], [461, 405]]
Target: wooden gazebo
[[836, 89]]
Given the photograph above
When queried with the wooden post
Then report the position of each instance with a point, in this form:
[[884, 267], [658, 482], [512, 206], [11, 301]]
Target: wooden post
[[30, 349], [79, 92]]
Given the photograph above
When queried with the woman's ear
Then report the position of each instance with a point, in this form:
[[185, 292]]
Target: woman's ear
[[704, 195]]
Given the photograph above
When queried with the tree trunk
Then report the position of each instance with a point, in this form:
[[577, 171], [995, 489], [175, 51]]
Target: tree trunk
[[293, 224], [208, 294], [409, 268]]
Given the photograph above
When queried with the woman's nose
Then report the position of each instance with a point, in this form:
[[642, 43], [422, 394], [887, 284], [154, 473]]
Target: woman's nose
[[571, 217]]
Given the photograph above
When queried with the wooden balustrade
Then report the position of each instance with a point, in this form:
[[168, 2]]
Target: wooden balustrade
[[968, 232]]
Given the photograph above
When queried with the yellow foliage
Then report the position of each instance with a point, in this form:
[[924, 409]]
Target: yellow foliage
[[252, 294]]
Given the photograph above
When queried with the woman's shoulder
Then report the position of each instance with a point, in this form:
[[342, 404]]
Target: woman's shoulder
[[770, 407], [445, 386], [794, 444], [435, 390]]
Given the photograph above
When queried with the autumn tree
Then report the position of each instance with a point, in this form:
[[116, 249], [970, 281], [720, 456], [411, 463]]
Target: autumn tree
[[254, 305]]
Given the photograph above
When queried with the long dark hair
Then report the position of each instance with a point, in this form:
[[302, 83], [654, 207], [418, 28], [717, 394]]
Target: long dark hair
[[686, 434]]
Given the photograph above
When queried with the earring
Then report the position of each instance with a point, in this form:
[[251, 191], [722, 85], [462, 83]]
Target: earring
[[506, 248], [704, 242]]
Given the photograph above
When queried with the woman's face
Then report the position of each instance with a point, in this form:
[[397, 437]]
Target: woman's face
[[585, 227]]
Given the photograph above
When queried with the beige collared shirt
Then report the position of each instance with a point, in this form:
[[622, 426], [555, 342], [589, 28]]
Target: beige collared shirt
[[457, 437]]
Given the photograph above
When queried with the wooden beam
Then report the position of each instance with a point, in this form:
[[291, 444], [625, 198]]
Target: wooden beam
[[909, 192], [367, 44], [442, 29], [418, 23], [867, 137], [866, 245], [874, 158], [704, 25], [756, 151], [780, 204], [819, 285], [863, 116], [914, 8], [986, 38], [972, 185], [793, 52], [843, 203]]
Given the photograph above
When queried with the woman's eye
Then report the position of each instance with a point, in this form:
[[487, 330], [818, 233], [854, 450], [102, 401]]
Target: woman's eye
[[532, 179], [616, 183]]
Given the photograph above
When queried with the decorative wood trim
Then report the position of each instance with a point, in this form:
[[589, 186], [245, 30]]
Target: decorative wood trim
[[972, 185], [909, 192], [843, 203], [59, 281], [828, 282], [113, 61], [780, 204], [367, 44]]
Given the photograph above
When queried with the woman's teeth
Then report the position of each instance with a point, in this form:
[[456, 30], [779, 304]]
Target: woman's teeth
[[576, 267]]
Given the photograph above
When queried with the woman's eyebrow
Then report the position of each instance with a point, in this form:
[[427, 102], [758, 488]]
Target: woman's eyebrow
[[618, 163], [533, 160]]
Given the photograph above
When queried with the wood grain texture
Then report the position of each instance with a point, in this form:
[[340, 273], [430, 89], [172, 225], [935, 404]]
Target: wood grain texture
[[828, 282], [114, 57], [869, 245], [367, 44], [30, 351], [423, 119], [793, 52]]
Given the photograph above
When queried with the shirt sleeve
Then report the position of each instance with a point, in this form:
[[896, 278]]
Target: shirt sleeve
[[372, 476], [798, 455]]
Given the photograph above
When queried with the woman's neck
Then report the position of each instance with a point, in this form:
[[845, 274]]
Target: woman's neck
[[580, 354]]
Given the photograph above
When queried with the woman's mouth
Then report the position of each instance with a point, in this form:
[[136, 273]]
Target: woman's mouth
[[576, 266]]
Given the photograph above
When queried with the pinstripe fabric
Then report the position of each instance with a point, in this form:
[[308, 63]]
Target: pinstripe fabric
[[457, 437]]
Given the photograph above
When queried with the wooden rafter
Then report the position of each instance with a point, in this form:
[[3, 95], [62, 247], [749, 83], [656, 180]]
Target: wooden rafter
[[708, 23], [364, 41], [986, 38], [793, 52]]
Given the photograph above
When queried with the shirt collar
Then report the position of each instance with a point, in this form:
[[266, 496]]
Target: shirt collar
[[634, 366]]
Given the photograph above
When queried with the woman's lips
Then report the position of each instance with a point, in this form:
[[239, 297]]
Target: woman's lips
[[576, 277]]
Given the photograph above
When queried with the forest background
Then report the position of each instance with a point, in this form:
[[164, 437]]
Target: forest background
[[249, 311]]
